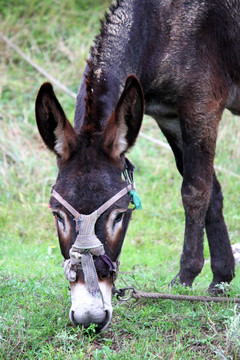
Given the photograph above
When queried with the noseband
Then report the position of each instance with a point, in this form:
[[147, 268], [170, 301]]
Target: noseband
[[87, 244]]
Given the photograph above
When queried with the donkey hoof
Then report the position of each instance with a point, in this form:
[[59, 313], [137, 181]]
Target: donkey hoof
[[214, 290], [175, 281], [218, 288], [182, 279]]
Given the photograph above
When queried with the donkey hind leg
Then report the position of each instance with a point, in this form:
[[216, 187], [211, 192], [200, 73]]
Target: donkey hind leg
[[222, 260]]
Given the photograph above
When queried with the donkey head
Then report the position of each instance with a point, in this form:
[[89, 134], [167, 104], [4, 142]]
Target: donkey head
[[90, 166]]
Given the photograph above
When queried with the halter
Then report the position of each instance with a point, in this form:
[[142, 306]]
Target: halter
[[87, 244]]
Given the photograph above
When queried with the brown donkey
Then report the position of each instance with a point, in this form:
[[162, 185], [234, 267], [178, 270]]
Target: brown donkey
[[180, 62]]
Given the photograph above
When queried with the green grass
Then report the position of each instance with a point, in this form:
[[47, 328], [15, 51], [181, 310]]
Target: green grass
[[34, 299]]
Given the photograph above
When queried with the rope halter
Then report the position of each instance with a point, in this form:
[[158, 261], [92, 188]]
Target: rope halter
[[87, 244]]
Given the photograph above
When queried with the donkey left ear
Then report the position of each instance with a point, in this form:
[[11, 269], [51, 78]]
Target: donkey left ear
[[123, 127], [54, 128]]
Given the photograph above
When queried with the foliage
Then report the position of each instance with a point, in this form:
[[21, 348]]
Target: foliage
[[34, 296]]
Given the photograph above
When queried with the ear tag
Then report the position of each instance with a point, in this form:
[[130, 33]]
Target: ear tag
[[136, 199]]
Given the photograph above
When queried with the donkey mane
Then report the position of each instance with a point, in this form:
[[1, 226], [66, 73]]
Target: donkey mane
[[117, 20], [96, 50]]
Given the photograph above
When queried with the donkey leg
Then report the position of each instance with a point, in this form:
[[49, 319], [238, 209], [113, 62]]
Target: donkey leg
[[199, 132], [195, 197], [222, 260], [192, 257]]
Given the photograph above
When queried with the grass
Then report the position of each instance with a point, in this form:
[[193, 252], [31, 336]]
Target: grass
[[34, 299]]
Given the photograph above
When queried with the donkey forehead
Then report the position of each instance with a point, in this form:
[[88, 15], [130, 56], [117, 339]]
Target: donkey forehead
[[90, 163], [92, 177], [88, 191]]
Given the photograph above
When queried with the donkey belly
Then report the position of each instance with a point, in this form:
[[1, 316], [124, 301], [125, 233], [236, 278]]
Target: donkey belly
[[166, 116], [233, 101]]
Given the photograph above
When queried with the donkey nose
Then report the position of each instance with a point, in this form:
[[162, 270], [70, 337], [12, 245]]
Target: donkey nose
[[87, 309], [99, 317]]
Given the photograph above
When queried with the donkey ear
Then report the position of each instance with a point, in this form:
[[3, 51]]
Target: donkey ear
[[54, 128], [123, 127]]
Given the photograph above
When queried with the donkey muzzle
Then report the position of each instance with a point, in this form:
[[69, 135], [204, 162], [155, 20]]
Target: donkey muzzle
[[89, 309]]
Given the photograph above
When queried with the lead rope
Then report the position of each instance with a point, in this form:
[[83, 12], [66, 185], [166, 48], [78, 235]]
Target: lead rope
[[136, 294]]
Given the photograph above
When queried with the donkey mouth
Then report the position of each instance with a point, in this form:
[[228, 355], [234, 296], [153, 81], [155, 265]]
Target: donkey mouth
[[88, 320]]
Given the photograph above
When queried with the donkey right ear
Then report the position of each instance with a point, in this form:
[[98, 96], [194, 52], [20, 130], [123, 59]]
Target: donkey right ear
[[123, 126], [54, 128]]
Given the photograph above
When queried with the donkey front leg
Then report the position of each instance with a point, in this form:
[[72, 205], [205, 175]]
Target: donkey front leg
[[195, 197], [199, 131]]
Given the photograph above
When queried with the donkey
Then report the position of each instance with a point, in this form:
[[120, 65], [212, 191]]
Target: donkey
[[179, 62]]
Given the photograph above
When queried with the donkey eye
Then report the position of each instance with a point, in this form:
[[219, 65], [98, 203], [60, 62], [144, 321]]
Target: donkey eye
[[58, 217], [118, 218]]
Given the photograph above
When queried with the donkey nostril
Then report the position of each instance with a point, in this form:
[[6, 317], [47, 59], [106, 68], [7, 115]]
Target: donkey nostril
[[105, 322], [72, 318], [76, 321]]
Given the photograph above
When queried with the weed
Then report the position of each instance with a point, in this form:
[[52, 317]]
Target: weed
[[233, 331]]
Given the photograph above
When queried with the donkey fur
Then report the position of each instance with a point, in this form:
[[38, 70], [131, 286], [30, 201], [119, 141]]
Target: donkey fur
[[186, 56]]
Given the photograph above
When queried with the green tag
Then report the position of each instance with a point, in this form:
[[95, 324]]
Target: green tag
[[136, 199]]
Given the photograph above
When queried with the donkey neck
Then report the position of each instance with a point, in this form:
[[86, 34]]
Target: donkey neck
[[117, 53]]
